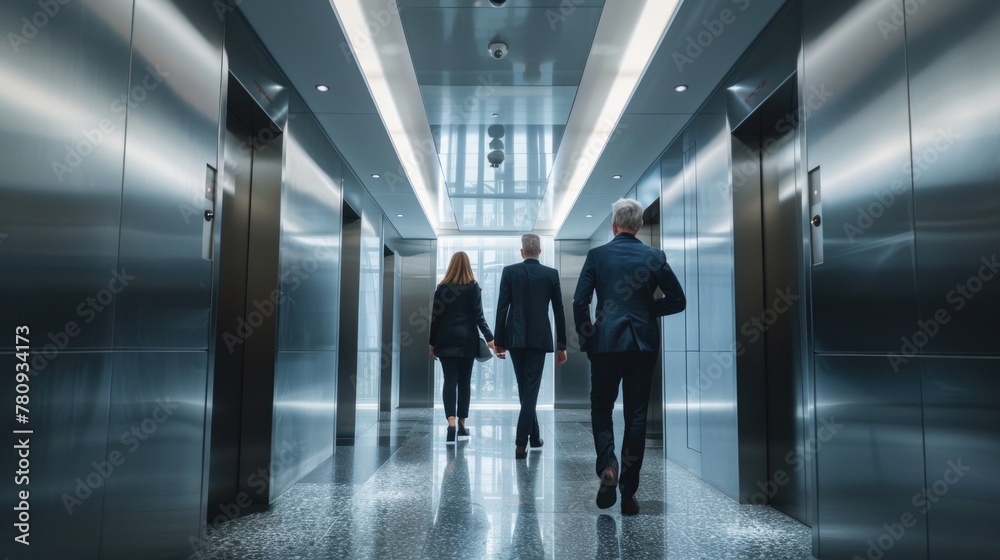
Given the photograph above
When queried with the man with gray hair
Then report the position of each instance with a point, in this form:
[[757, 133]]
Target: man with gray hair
[[622, 343], [526, 291]]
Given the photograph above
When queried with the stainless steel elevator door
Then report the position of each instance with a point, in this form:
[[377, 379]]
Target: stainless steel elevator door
[[780, 212]]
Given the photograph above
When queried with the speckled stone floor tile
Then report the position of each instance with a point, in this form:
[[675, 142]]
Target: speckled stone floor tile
[[401, 492]]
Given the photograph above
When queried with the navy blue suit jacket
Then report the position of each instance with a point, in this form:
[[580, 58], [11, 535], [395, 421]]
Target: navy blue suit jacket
[[625, 273], [526, 290]]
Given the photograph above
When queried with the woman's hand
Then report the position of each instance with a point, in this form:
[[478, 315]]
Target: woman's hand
[[432, 353]]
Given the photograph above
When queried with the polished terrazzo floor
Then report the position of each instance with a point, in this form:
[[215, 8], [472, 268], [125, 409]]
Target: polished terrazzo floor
[[401, 492]]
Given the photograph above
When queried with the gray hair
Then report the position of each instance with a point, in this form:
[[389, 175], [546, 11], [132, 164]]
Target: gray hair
[[627, 213], [531, 244]]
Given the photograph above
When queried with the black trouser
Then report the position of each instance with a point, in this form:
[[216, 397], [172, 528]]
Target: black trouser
[[634, 371], [528, 365], [457, 379]]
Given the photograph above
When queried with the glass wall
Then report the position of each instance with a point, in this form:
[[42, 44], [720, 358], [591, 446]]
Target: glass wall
[[369, 321], [493, 382]]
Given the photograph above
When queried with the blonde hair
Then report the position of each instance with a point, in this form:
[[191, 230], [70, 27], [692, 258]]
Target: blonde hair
[[459, 270]]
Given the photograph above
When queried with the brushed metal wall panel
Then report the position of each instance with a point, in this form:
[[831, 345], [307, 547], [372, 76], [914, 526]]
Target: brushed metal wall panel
[[173, 133], [253, 66], [691, 262], [719, 431], [390, 331], [863, 294], [675, 412], [963, 456], [694, 382], [310, 239], [956, 173], [572, 381], [416, 381], [305, 410], [63, 145], [672, 223], [870, 458], [152, 503], [715, 235], [69, 415]]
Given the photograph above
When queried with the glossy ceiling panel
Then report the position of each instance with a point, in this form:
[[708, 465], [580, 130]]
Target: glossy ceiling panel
[[456, 105], [449, 46], [517, 106], [551, 43]]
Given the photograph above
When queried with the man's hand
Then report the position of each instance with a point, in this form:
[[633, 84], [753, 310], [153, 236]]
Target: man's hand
[[501, 352], [432, 353], [561, 357]]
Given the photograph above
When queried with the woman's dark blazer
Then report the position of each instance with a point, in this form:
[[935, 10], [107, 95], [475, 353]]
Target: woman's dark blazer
[[457, 312]]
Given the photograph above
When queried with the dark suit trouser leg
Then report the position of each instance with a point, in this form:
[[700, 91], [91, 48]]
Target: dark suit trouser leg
[[636, 382], [633, 371], [604, 381], [456, 390], [528, 365]]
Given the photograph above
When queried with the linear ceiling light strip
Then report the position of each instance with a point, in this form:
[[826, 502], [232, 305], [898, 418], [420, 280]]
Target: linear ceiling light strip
[[358, 30], [595, 129]]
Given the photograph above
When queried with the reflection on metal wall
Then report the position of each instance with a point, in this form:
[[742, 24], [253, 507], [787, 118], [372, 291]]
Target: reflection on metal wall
[[699, 373], [906, 144], [416, 370], [173, 134], [305, 384], [61, 212], [572, 383], [59, 227], [956, 137]]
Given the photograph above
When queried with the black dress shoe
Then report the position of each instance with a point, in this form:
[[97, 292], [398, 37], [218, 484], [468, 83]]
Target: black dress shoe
[[451, 435], [630, 506], [520, 453], [462, 432], [607, 494], [537, 443]]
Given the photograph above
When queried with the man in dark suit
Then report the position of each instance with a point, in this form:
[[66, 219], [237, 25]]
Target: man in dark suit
[[622, 343], [526, 290]]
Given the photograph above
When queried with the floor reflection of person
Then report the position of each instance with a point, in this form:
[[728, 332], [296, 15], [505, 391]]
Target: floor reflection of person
[[526, 540], [460, 527], [607, 538]]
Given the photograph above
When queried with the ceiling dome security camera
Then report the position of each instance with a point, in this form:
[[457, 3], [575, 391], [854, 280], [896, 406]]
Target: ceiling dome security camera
[[498, 50], [498, 3], [495, 158]]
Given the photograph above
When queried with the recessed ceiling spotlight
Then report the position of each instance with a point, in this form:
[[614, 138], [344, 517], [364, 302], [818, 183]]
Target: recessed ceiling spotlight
[[399, 215], [376, 176], [322, 87], [680, 88], [495, 115], [590, 215], [616, 176]]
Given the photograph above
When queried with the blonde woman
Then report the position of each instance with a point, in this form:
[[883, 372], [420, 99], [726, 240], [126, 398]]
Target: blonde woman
[[455, 317]]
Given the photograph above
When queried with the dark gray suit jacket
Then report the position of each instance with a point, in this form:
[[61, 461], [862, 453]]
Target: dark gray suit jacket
[[625, 274], [526, 290]]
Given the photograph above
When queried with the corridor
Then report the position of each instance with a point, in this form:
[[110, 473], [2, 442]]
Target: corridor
[[401, 492]]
